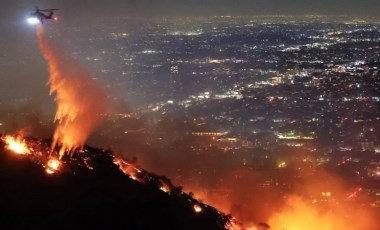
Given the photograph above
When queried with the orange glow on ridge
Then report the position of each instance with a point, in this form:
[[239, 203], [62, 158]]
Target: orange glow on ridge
[[197, 208], [16, 145], [52, 166]]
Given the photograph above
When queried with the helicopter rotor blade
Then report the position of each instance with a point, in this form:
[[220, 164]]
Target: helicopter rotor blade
[[48, 10]]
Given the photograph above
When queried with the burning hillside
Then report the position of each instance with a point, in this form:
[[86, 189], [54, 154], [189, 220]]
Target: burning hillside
[[62, 184], [91, 189]]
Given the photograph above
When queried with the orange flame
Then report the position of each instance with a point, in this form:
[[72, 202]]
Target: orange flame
[[52, 166], [317, 203], [299, 214], [80, 101], [17, 145], [128, 169], [165, 188], [197, 208]]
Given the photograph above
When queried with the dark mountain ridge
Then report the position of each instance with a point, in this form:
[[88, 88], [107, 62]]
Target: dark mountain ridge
[[91, 191]]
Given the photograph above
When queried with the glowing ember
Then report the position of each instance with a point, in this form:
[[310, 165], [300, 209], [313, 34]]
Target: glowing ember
[[127, 169], [197, 208], [165, 188], [52, 166], [354, 194], [49, 171], [231, 225], [17, 145]]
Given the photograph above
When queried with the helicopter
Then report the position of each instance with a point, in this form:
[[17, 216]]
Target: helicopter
[[39, 16]]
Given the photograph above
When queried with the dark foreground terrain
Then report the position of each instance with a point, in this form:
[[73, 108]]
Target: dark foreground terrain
[[99, 198]]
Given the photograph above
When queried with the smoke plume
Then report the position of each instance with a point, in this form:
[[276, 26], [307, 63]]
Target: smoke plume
[[80, 101]]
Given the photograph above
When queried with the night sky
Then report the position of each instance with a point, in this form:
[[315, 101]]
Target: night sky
[[195, 7]]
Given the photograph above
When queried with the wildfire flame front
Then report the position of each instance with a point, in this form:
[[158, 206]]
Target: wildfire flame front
[[17, 145], [80, 101]]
